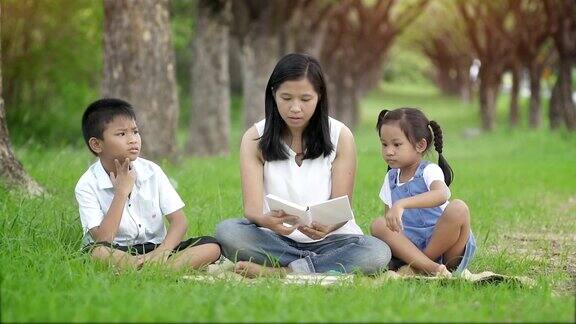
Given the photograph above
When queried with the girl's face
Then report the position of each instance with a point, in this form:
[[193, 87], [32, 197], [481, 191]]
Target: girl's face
[[397, 150], [296, 101]]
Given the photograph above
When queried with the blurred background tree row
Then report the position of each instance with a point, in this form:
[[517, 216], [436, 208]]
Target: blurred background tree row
[[195, 63], [51, 63]]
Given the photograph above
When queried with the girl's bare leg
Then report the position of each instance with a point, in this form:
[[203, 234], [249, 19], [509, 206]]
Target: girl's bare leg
[[195, 257], [404, 249], [450, 234]]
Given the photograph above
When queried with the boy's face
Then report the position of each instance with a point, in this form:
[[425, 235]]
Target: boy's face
[[121, 140]]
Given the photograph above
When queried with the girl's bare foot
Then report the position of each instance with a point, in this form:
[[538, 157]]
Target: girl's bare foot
[[442, 271], [435, 270], [252, 270]]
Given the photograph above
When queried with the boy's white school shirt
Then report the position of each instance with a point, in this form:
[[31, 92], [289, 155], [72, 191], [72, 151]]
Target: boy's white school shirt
[[152, 197]]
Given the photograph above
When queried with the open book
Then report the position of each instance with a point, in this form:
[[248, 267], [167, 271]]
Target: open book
[[329, 212]]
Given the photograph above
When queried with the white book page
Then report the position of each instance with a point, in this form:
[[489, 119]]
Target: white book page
[[277, 203], [332, 211]]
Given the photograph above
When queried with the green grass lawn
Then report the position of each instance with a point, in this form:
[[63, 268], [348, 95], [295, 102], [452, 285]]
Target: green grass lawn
[[520, 186]]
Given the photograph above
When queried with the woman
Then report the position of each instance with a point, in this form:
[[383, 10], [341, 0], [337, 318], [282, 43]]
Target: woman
[[299, 154]]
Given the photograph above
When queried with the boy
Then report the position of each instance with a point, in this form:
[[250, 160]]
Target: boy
[[122, 198]]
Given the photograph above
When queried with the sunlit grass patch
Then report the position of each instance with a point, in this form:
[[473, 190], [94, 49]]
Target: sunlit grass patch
[[518, 184]]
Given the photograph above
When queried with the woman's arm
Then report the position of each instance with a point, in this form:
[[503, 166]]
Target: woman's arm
[[344, 166], [252, 176]]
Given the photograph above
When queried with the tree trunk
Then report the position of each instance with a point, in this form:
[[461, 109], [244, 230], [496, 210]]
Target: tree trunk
[[447, 82], [139, 67], [11, 171], [259, 53], [489, 86], [466, 88], [535, 76], [210, 118], [306, 30], [555, 110], [234, 65], [565, 90], [562, 14], [343, 100], [514, 107]]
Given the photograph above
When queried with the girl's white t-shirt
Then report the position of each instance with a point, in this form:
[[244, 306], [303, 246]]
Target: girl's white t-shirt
[[305, 185], [431, 173]]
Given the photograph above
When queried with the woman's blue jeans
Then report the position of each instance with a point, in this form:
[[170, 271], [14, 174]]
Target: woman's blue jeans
[[242, 240]]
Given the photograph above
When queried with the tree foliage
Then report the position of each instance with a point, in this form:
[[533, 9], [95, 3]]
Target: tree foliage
[[52, 59], [11, 171]]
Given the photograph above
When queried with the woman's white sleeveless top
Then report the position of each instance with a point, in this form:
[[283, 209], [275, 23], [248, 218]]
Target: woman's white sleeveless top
[[305, 185]]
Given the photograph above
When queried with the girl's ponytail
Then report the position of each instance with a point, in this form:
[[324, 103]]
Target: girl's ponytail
[[380, 121], [442, 163]]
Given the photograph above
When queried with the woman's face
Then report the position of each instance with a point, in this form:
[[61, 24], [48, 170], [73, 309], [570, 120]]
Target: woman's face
[[296, 101]]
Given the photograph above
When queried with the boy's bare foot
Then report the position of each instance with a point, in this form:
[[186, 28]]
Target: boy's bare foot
[[252, 270]]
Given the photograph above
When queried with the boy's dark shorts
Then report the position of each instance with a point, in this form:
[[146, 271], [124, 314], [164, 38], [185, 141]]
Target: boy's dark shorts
[[144, 248]]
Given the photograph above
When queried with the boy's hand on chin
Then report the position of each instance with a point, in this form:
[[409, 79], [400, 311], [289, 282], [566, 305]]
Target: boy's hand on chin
[[124, 178]]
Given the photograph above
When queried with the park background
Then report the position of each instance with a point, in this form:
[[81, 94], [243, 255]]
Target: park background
[[497, 75]]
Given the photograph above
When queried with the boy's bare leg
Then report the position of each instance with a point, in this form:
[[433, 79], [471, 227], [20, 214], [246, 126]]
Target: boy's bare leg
[[450, 234], [119, 259], [253, 270], [195, 257], [404, 249]]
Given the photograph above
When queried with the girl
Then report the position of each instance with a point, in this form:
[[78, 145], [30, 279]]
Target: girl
[[421, 227]]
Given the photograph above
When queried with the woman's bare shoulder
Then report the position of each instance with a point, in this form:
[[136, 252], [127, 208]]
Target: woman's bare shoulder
[[251, 133], [250, 138], [249, 145], [345, 140]]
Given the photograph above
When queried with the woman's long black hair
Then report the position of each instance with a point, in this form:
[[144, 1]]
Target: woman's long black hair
[[316, 135], [416, 126]]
